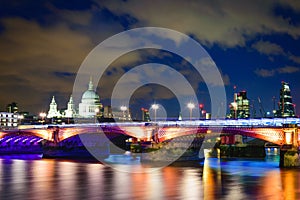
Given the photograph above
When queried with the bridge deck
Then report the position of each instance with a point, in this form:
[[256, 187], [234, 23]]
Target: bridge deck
[[267, 129]]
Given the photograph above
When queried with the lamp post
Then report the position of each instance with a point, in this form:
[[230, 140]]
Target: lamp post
[[96, 111], [154, 107], [201, 109], [191, 106], [43, 115], [203, 113], [123, 109], [274, 111]]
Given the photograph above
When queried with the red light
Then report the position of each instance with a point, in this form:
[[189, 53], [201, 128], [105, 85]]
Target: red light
[[201, 105]]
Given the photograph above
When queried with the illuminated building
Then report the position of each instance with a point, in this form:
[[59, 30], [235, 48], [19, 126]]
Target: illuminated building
[[117, 114], [8, 120], [26, 118], [285, 104], [145, 115], [12, 107], [90, 105], [240, 108], [70, 112], [122, 113], [53, 112], [107, 112]]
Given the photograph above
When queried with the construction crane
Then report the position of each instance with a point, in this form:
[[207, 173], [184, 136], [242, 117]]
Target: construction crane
[[261, 108]]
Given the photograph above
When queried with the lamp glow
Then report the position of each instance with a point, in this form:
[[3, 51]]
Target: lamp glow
[[154, 107], [123, 109], [191, 106], [289, 137], [43, 115]]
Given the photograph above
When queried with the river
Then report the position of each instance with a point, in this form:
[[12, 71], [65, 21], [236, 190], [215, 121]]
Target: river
[[30, 177]]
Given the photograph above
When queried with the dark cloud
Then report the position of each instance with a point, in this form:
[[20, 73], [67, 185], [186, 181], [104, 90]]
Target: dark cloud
[[272, 72], [31, 53], [268, 48], [265, 72], [294, 58], [288, 70], [226, 23], [43, 43]]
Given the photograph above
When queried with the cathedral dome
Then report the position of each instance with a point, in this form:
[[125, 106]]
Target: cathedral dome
[[90, 94], [90, 103]]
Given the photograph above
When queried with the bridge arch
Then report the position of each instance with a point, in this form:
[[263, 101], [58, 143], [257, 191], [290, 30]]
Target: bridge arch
[[268, 134]]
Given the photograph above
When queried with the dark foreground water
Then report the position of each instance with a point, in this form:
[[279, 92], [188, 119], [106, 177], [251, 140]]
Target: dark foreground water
[[29, 177]]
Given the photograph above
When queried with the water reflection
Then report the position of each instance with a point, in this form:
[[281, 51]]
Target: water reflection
[[218, 179], [240, 179]]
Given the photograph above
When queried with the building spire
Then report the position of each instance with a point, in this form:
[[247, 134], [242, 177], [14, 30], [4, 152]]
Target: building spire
[[91, 86], [53, 112], [53, 100], [71, 99]]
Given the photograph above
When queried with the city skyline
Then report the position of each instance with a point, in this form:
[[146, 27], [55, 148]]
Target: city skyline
[[241, 104], [255, 45]]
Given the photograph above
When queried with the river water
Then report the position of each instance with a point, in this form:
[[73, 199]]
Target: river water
[[30, 177]]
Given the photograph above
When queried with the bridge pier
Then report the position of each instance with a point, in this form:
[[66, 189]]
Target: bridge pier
[[228, 139], [184, 149], [289, 151]]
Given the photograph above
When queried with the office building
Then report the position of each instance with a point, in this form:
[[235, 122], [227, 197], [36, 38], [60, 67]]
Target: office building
[[285, 105]]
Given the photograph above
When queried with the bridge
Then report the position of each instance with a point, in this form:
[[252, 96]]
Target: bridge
[[268, 129]]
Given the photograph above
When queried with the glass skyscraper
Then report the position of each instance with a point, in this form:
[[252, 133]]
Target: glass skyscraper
[[285, 105], [240, 107]]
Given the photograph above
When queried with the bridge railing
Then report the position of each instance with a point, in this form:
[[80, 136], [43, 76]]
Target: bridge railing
[[263, 122]]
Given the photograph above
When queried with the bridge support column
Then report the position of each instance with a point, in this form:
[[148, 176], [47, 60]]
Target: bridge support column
[[228, 139], [289, 152]]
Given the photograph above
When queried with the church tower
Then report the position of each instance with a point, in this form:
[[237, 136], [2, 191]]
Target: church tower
[[70, 112], [53, 109]]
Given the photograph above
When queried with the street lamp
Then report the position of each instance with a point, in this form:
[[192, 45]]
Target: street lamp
[[96, 111], [123, 109], [201, 106], [191, 106], [154, 107], [43, 115], [203, 113]]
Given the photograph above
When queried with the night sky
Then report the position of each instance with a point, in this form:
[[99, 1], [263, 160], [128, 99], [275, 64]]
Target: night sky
[[255, 45]]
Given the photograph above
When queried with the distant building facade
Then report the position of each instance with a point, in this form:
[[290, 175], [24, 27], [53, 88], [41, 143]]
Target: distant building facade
[[285, 105], [118, 114], [8, 120], [107, 112], [145, 115], [12, 107], [240, 108]]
